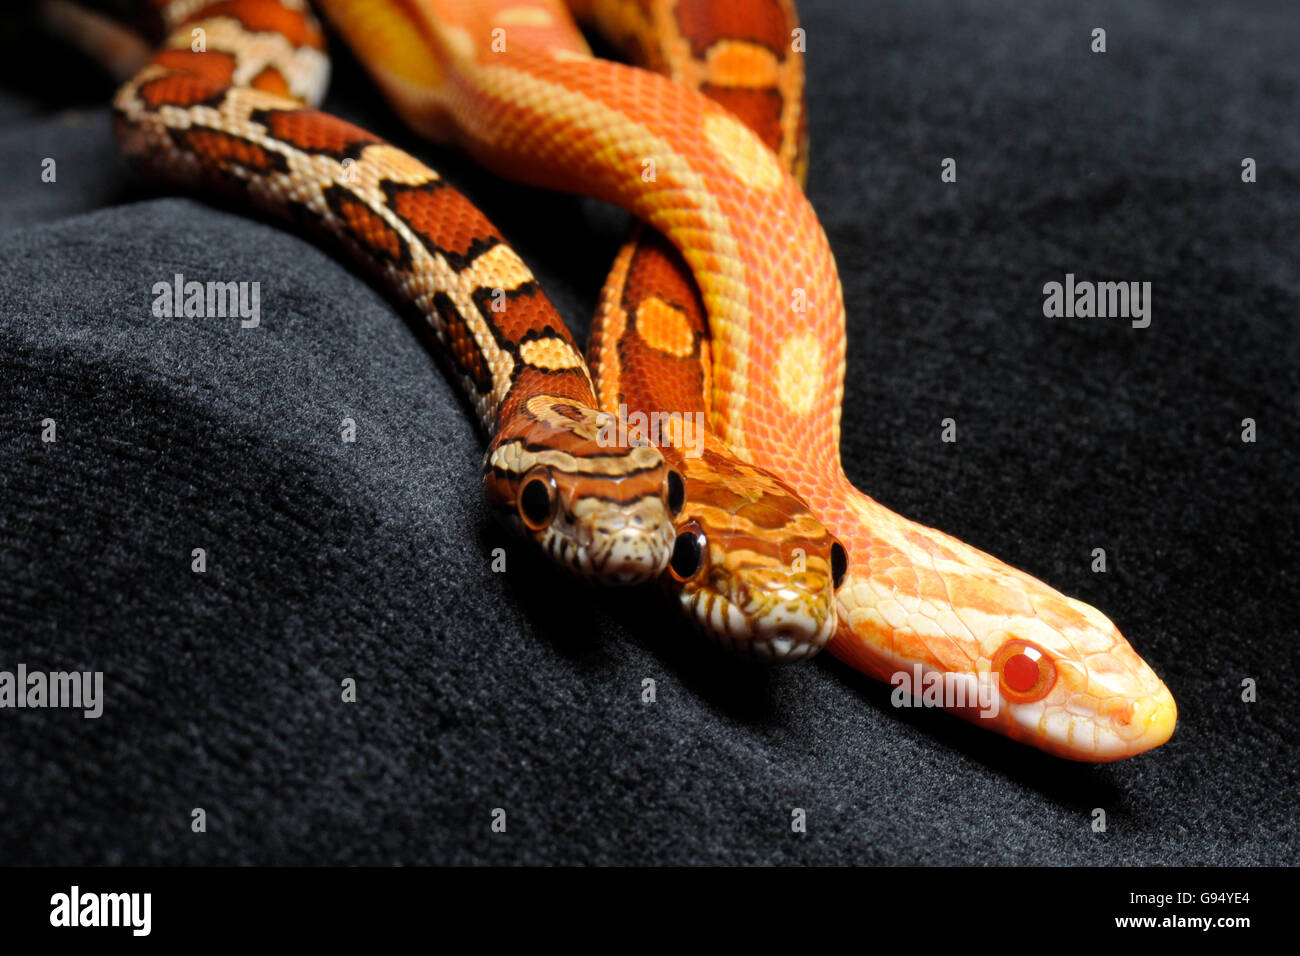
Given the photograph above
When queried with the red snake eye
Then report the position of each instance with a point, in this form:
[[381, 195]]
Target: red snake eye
[[1027, 672]]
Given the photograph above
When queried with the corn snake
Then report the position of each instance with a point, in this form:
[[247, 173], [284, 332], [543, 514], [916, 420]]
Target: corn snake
[[649, 346], [511, 83], [231, 120], [217, 120], [913, 595]]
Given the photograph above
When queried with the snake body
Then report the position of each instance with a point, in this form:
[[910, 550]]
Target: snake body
[[511, 86], [752, 567], [230, 118], [514, 85], [764, 559], [649, 345]]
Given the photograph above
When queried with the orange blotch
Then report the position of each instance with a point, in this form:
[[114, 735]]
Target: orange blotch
[[313, 131], [664, 328], [369, 228], [179, 90], [215, 67], [444, 218], [741, 64], [271, 80], [222, 149]]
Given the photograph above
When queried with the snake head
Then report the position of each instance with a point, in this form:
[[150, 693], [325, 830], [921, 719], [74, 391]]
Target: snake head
[[1072, 685], [597, 501], [752, 566], [950, 626], [1049, 671]]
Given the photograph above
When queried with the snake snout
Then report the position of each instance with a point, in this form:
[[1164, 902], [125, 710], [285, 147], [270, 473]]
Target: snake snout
[[793, 616], [629, 545], [790, 633], [769, 615], [1148, 723]]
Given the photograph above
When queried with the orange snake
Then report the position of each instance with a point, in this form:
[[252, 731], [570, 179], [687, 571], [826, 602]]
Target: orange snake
[[513, 84]]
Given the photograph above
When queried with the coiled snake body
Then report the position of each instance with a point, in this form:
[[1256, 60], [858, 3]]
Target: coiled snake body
[[514, 85]]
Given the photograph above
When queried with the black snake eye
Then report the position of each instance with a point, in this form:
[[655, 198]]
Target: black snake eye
[[688, 552], [537, 499], [839, 564], [676, 492]]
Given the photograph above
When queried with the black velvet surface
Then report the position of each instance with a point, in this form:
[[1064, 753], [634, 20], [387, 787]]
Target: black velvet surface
[[522, 690]]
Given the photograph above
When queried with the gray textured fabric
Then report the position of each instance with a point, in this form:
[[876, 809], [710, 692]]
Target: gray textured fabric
[[522, 690]]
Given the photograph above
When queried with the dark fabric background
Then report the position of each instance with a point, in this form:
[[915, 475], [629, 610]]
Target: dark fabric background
[[522, 690]]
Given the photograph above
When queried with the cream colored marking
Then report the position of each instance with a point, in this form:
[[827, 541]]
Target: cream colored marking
[[550, 353], [664, 328], [397, 165], [180, 10], [560, 53], [523, 16], [743, 152], [675, 47], [460, 42], [800, 372], [612, 319], [790, 81], [513, 457], [498, 268]]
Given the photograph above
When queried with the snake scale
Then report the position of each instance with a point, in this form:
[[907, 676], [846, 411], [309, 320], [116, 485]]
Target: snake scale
[[727, 303]]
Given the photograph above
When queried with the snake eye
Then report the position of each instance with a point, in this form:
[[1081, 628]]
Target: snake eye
[[537, 499], [688, 552], [676, 492], [839, 564], [1027, 672]]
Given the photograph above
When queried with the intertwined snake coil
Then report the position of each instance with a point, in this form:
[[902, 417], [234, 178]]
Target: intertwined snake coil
[[730, 304]]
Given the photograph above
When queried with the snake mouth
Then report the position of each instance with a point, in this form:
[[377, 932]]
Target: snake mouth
[[629, 564], [782, 633], [1116, 732]]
